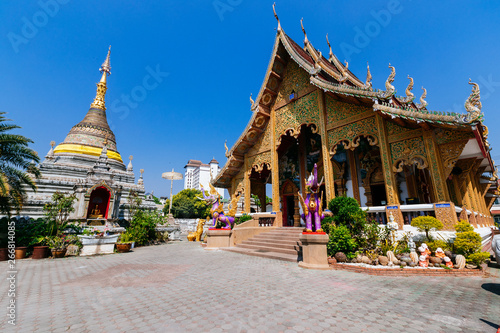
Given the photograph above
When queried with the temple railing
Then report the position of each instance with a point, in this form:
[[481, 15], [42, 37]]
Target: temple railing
[[378, 213]]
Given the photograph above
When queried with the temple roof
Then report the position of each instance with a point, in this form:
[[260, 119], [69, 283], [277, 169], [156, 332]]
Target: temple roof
[[335, 78], [90, 135]]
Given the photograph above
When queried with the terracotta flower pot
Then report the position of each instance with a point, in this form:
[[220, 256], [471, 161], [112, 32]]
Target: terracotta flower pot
[[57, 253], [40, 252], [123, 247], [21, 252], [4, 254]]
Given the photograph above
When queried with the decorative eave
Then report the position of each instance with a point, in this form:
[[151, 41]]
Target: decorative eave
[[247, 139], [416, 114], [342, 88]]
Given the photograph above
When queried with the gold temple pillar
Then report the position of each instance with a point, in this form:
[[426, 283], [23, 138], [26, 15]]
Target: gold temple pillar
[[302, 162], [247, 185], [275, 177], [327, 166], [458, 192], [436, 168], [472, 199], [354, 175], [389, 177]]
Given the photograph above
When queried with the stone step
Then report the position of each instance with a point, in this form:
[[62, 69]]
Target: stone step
[[275, 238], [265, 242], [269, 255], [270, 248], [279, 243]]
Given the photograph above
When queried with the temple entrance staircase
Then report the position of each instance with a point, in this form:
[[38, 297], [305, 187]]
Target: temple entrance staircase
[[278, 243]]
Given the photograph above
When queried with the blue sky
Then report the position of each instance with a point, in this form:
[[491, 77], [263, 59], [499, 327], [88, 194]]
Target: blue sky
[[212, 54]]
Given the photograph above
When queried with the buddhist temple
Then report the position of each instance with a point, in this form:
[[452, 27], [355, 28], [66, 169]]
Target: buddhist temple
[[88, 164], [392, 153]]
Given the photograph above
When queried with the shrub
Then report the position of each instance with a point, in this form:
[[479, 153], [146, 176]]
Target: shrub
[[434, 244], [346, 212], [478, 258], [463, 226], [242, 218], [327, 224], [467, 243], [143, 226], [341, 241], [426, 224], [370, 237]]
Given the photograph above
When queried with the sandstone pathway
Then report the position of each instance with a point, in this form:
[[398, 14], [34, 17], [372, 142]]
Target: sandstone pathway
[[179, 287]]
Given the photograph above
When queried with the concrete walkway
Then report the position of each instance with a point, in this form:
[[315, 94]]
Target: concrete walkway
[[180, 287]]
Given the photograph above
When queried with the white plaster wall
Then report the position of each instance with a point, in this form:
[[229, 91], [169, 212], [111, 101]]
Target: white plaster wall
[[362, 196]]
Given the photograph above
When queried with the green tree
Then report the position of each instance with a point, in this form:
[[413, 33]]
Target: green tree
[[58, 210], [257, 201], [17, 167], [186, 204], [426, 224]]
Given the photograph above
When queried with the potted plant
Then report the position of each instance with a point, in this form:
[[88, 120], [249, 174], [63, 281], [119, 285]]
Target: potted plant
[[57, 245], [40, 251], [124, 243], [4, 254]]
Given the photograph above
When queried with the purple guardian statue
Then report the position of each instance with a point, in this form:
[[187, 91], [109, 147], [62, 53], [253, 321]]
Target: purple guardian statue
[[312, 203], [217, 211]]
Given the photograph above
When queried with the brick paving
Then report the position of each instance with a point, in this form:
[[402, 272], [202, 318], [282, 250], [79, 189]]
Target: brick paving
[[179, 287]]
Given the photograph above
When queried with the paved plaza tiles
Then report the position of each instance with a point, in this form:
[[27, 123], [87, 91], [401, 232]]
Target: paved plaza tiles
[[180, 287]]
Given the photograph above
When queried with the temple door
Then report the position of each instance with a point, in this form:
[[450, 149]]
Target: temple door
[[289, 203]]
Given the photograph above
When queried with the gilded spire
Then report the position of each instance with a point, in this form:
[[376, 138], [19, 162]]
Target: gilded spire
[[276, 16], [101, 86]]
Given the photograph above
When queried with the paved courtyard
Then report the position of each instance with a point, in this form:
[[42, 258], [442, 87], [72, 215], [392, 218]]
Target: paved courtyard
[[179, 287]]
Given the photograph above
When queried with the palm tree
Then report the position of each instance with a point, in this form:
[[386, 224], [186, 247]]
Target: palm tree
[[17, 167]]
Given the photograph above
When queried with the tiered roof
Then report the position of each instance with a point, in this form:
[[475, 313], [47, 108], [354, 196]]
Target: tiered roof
[[335, 78]]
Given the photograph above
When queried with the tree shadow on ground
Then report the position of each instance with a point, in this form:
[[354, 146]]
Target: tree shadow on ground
[[492, 287], [490, 323]]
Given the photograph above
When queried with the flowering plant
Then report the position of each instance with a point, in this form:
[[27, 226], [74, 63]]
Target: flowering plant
[[56, 242]]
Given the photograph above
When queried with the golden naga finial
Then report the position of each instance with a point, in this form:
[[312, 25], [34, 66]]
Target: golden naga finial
[[472, 105], [304, 31], [276, 16], [368, 83], [344, 76], [389, 88], [423, 103], [409, 95], [101, 86], [227, 150], [252, 102], [330, 47]]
